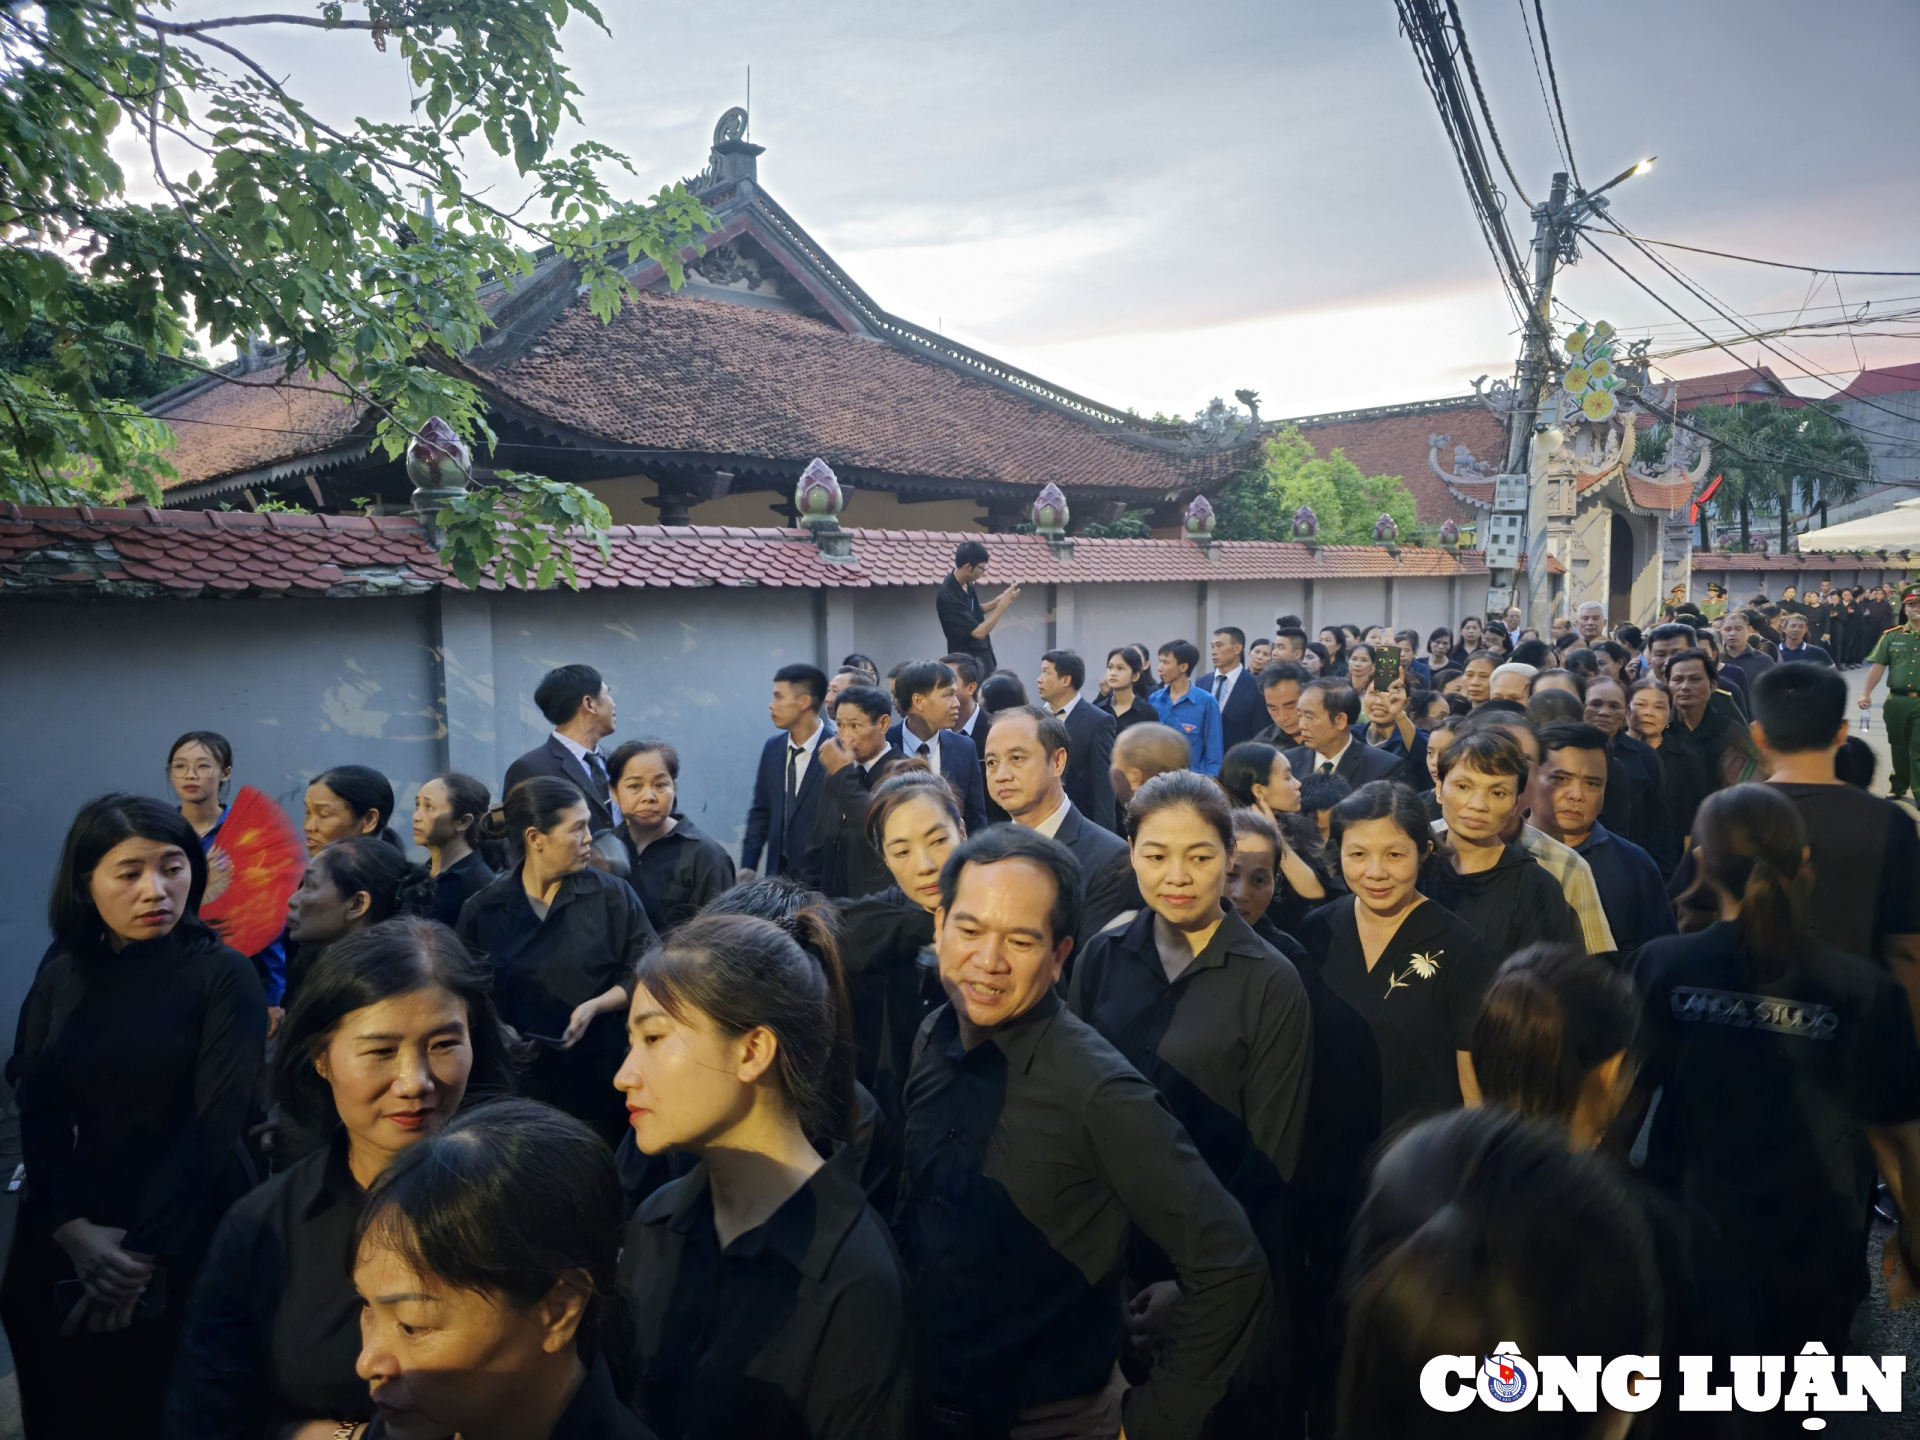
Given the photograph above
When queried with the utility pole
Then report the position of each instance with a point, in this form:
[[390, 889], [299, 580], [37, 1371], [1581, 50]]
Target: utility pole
[[1554, 225], [1536, 354]]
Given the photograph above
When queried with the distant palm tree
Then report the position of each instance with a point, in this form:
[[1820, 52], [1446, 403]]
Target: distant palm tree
[[1767, 454]]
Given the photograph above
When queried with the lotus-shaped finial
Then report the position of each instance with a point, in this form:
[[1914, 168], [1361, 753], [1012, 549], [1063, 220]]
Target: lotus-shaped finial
[[1050, 510], [437, 458], [818, 497], [1306, 524], [1386, 530], [1199, 518]]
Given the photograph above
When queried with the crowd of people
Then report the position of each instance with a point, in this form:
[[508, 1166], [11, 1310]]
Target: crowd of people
[[1180, 1053]]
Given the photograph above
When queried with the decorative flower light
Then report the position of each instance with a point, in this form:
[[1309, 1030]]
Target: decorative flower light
[[1306, 524], [1050, 510], [437, 458], [1450, 533], [1199, 519], [818, 496], [1386, 530], [1591, 380]]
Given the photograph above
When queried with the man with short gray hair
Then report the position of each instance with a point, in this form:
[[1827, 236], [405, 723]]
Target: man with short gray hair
[[1591, 621]]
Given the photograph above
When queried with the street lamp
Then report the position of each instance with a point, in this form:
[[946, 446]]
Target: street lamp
[[1590, 199]]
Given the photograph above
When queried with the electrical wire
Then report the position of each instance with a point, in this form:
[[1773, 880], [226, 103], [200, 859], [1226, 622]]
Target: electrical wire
[[1773, 264], [1546, 49], [1486, 111], [1539, 79], [1427, 32], [1794, 362]]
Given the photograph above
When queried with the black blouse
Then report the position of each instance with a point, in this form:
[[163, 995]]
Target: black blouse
[[136, 1071], [273, 1331], [594, 1413], [1385, 1038], [543, 969], [1141, 712], [893, 983], [795, 1329], [678, 873], [1228, 1044], [457, 884]]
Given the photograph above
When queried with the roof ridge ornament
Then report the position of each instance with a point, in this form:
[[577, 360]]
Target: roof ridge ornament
[[733, 156]]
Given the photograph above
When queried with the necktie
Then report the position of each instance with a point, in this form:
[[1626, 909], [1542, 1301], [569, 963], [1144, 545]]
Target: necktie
[[1061, 713], [1326, 768], [597, 768], [794, 752]]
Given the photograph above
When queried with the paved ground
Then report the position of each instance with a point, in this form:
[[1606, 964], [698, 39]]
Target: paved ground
[[1877, 1330]]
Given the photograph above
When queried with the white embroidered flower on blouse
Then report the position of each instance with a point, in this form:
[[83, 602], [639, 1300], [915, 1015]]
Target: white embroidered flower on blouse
[[1419, 967]]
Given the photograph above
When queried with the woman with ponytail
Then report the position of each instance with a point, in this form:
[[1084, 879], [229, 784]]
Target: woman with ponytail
[[1783, 1066], [766, 1293]]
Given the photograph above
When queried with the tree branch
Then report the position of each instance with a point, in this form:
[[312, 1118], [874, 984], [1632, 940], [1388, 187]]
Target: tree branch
[[199, 27]]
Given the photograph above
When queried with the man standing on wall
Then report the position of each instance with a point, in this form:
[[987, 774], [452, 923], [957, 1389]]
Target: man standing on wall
[[963, 621]]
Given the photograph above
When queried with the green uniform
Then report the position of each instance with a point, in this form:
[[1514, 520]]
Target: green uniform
[[1899, 651]]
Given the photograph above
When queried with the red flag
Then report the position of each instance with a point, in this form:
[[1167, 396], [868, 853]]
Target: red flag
[[1693, 514], [254, 867]]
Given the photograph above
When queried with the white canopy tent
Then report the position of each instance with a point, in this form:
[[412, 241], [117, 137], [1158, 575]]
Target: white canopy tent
[[1895, 529]]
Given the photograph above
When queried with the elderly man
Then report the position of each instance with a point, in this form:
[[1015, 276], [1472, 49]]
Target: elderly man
[[1142, 752], [1512, 681], [1794, 648], [1591, 621]]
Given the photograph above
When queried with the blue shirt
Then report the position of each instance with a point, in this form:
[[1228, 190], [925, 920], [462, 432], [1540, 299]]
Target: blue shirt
[[1195, 715], [1631, 890]]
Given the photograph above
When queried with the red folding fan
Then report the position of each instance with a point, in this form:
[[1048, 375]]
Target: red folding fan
[[255, 862]]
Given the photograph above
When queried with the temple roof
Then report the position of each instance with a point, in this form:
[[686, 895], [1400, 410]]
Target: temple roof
[[770, 356]]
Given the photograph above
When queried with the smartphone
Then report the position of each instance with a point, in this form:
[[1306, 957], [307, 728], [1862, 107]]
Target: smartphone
[[1386, 666]]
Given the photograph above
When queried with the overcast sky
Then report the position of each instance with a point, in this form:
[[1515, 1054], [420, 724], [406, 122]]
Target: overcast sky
[[1157, 203]]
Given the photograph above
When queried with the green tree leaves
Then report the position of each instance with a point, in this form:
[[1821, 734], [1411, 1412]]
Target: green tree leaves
[[1770, 455], [286, 227], [1260, 504]]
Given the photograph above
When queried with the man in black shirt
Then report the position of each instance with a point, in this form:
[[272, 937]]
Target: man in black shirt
[[962, 621], [1793, 642], [1032, 1152], [1280, 687], [1725, 749], [1865, 851], [1090, 733], [1738, 650]]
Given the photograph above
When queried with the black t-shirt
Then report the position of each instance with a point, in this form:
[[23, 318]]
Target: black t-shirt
[[1384, 1040], [1767, 1090], [958, 607], [1866, 866]]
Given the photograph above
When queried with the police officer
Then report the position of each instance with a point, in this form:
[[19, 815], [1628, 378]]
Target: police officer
[[1897, 656]]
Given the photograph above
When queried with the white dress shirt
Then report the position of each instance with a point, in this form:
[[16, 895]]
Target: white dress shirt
[[914, 748], [1224, 682], [805, 757], [1064, 710], [580, 753], [1320, 762], [1050, 827]]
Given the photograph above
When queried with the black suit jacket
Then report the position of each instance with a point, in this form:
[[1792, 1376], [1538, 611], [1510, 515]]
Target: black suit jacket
[[555, 760], [1245, 713], [1106, 872], [1089, 776], [959, 767], [768, 824], [1361, 765], [838, 861]]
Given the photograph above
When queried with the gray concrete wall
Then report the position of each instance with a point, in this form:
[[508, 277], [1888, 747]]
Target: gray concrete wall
[[91, 693]]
